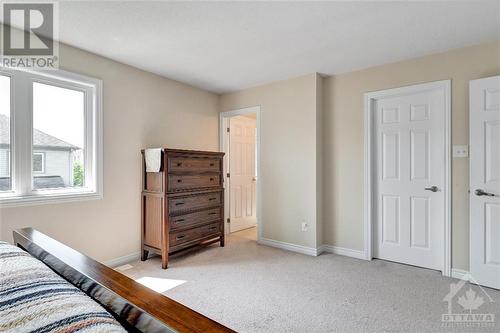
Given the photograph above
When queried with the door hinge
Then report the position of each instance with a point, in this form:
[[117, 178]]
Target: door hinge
[[228, 220], [228, 175], [228, 130]]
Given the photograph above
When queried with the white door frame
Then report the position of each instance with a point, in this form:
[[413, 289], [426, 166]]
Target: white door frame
[[223, 137], [369, 159]]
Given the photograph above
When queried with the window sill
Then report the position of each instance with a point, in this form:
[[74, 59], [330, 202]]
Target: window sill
[[48, 198]]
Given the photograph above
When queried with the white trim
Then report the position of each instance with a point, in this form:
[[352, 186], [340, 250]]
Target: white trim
[[22, 192], [310, 251], [225, 169], [368, 162], [222, 140], [342, 251], [47, 198], [460, 274], [367, 204], [123, 260]]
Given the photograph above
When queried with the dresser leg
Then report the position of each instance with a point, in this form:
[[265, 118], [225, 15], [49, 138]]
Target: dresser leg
[[144, 255], [164, 261], [222, 241]]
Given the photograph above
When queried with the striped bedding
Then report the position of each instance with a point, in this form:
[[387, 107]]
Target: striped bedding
[[35, 299]]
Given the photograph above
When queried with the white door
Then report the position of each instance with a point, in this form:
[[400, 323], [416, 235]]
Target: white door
[[485, 181], [242, 180], [410, 175]]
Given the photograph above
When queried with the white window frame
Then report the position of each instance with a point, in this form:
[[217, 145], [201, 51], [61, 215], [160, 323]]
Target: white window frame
[[22, 192], [43, 162]]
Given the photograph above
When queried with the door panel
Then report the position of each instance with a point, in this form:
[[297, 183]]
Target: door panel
[[492, 233], [492, 99], [419, 145], [390, 219], [419, 222], [242, 173], [411, 155], [492, 155], [390, 155], [485, 176]]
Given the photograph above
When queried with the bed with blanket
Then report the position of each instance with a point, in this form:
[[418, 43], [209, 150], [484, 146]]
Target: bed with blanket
[[33, 298], [46, 286]]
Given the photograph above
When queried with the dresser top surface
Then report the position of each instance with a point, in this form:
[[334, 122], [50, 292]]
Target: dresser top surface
[[189, 152]]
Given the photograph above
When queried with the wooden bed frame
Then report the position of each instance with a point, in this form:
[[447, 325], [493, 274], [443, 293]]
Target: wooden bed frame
[[136, 307]]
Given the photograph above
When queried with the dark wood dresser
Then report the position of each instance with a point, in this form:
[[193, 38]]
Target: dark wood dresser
[[183, 204]]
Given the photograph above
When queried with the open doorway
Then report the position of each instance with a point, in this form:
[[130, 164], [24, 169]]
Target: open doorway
[[240, 141]]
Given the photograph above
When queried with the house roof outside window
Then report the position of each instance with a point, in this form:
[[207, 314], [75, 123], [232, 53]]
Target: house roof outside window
[[40, 139]]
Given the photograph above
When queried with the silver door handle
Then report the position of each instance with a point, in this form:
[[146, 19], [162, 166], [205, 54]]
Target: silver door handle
[[432, 189], [480, 193]]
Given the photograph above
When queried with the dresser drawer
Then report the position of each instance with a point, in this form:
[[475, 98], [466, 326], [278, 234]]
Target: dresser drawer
[[185, 220], [198, 201], [185, 236], [188, 182], [193, 164]]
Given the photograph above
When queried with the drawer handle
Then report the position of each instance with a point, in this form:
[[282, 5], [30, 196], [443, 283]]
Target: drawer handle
[[179, 180], [211, 179], [180, 220], [210, 199], [179, 203], [212, 213], [179, 164], [180, 237], [211, 164]]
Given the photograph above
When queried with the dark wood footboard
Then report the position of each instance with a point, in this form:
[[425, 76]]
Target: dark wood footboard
[[136, 307]]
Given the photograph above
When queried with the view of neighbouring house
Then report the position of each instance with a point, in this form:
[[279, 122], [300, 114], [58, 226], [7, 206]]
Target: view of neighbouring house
[[53, 159]]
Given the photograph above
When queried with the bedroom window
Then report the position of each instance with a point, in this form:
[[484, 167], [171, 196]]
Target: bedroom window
[[51, 137], [59, 136]]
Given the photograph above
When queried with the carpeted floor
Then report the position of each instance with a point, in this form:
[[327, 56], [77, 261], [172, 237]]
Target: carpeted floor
[[255, 288]]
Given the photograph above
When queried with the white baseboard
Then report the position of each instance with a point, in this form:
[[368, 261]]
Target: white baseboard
[[459, 274], [123, 260], [310, 251], [342, 251]]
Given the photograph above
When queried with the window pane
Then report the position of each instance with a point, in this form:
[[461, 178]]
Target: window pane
[[38, 162], [58, 137], [5, 160]]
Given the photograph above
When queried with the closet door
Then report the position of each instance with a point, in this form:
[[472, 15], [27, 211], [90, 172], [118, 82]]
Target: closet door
[[485, 181]]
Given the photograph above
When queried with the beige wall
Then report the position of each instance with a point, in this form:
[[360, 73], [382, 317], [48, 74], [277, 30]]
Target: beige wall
[[338, 139], [288, 155], [140, 110], [343, 137], [312, 149]]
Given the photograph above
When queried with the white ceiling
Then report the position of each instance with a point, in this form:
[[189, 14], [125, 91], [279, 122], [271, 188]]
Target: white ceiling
[[227, 46]]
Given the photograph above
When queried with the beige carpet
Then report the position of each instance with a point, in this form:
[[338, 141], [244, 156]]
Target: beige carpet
[[255, 288]]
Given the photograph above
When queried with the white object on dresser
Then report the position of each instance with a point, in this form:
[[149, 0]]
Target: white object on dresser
[[153, 159]]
